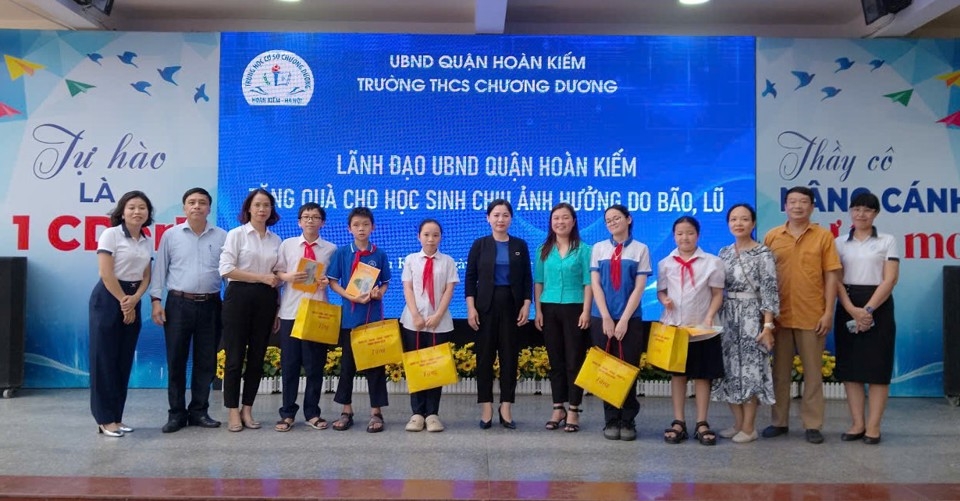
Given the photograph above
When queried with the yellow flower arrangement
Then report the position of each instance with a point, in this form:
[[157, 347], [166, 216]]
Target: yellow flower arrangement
[[466, 360], [533, 363], [828, 363], [271, 362], [395, 372], [332, 367]]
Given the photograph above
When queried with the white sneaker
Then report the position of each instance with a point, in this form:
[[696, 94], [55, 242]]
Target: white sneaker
[[433, 423], [729, 432], [415, 423], [742, 438]]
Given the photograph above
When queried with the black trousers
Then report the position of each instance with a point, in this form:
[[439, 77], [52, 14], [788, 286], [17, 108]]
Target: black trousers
[[112, 346], [248, 313], [498, 336], [424, 402], [376, 377], [634, 342], [566, 345], [294, 354], [189, 324]]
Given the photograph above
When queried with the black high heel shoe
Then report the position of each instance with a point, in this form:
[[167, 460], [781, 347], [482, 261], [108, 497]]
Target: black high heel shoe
[[485, 425], [503, 422]]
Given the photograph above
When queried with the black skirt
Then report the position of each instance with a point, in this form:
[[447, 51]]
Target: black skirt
[[704, 359], [865, 357]]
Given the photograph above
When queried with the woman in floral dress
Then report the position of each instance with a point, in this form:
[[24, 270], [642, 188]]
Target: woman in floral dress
[[751, 304]]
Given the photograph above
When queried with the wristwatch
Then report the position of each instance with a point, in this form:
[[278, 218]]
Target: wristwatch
[[770, 325], [868, 309], [154, 299]]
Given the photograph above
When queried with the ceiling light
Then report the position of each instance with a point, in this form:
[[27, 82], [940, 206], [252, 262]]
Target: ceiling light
[[693, 2]]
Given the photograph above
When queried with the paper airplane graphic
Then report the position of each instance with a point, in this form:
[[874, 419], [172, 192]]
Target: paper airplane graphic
[[17, 67], [7, 111], [952, 78], [952, 119], [902, 97], [77, 87]]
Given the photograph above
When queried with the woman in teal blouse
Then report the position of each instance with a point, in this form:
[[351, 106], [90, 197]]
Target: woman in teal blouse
[[562, 295]]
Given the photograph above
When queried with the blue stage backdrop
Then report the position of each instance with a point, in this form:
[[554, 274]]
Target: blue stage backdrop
[[416, 126]]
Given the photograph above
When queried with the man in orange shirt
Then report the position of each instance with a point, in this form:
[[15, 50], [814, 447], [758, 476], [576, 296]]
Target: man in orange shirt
[[807, 260]]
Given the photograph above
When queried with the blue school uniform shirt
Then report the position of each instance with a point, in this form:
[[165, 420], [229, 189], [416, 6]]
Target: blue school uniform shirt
[[354, 314], [634, 261]]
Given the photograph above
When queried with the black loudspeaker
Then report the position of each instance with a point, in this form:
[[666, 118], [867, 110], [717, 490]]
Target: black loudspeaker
[[951, 332], [875, 9], [13, 312]]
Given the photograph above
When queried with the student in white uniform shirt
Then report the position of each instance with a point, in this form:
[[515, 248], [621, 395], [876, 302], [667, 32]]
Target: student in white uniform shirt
[[123, 258], [296, 353], [429, 277]]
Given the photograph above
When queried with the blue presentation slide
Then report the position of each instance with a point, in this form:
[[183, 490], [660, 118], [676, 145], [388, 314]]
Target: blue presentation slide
[[424, 126]]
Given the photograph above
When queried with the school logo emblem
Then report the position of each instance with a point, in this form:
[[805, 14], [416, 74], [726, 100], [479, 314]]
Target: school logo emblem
[[277, 78]]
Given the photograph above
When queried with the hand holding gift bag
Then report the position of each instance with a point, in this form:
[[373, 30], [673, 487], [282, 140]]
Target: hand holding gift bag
[[607, 376]]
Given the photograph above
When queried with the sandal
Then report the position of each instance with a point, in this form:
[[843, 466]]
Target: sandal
[[553, 425], [344, 423], [376, 423], [573, 427], [284, 425], [707, 436], [317, 423], [672, 435]]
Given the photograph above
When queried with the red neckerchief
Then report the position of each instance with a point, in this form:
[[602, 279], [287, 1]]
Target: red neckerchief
[[428, 281], [615, 267], [686, 266]]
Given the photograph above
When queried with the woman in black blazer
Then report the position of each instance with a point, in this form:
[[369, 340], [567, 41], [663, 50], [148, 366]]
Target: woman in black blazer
[[498, 289]]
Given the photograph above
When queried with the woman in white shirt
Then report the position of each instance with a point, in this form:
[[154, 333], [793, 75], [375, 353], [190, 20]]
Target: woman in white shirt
[[248, 262], [864, 327], [123, 258], [429, 277]]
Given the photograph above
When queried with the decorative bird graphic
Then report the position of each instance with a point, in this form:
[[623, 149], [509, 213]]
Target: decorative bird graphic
[[803, 77], [167, 73], [770, 89], [127, 58], [830, 92], [201, 93], [93, 56], [141, 86], [876, 63], [844, 63]]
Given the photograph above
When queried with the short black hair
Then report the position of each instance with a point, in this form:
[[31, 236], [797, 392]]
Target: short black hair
[[199, 190], [866, 199], [803, 190], [360, 212], [312, 206], [247, 202]]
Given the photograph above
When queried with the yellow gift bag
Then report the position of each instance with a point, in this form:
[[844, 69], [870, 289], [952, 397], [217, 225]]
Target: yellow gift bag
[[607, 376], [430, 367], [317, 321], [376, 344], [667, 348]]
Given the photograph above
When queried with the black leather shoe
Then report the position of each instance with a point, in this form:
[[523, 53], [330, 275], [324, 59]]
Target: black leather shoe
[[867, 439], [774, 431], [204, 421], [814, 436], [852, 437], [173, 425]]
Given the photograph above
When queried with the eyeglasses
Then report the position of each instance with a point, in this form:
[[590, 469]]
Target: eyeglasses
[[310, 219], [614, 220], [862, 210]]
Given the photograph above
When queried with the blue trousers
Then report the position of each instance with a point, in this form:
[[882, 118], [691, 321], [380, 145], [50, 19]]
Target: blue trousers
[[112, 346], [376, 377], [424, 402], [294, 354]]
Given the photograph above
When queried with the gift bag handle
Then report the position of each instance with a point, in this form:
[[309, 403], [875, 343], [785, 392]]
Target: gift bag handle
[[620, 342]]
